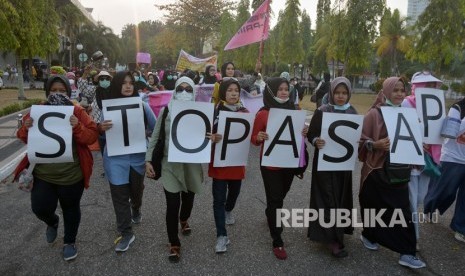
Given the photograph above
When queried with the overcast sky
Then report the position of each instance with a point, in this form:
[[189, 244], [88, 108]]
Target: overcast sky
[[117, 13]]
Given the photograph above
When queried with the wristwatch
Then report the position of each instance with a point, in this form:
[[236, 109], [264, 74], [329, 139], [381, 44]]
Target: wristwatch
[[369, 145]]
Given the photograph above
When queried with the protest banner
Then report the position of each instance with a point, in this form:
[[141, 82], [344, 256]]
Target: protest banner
[[431, 112], [186, 61]]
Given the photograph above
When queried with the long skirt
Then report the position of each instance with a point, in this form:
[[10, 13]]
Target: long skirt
[[377, 195]]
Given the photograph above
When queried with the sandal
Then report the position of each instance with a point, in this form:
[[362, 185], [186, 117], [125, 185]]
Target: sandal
[[185, 228], [175, 254]]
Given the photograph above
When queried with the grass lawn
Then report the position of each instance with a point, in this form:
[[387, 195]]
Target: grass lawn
[[10, 96]]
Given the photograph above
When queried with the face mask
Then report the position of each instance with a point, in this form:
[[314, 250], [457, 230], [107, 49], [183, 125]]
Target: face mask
[[136, 78], [104, 83], [184, 96], [175, 77], [169, 77], [342, 107], [71, 82], [281, 101]]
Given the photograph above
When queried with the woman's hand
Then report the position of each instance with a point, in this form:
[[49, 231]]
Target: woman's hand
[[73, 121], [215, 137], [149, 170], [105, 125], [319, 143], [262, 136], [382, 144], [28, 123], [305, 131]]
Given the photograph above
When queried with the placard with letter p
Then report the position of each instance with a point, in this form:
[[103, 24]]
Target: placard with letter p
[[431, 111]]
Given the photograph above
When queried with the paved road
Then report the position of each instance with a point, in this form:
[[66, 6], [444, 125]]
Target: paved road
[[24, 250]]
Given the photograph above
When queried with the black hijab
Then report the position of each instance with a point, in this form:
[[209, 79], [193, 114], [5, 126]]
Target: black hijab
[[117, 83], [207, 79], [57, 78], [271, 90], [224, 66]]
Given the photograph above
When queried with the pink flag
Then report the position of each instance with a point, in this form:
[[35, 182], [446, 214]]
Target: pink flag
[[158, 100], [254, 30]]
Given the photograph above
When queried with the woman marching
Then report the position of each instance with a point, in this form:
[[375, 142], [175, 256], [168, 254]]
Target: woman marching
[[330, 190], [377, 192], [62, 182], [227, 181], [126, 172], [227, 71], [277, 181], [181, 181]]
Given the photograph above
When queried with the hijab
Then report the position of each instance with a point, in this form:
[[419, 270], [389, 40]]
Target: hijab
[[57, 78], [331, 106], [271, 90], [117, 84], [223, 105], [207, 79], [179, 81], [223, 68]]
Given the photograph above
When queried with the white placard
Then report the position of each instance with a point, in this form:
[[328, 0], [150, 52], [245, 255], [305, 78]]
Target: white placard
[[127, 135], [404, 131], [280, 122], [432, 112], [236, 129], [190, 122], [341, 133], [51, 135]]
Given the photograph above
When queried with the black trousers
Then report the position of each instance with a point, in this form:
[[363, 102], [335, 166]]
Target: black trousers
[[44, 202], [175, 202], [124, 198], [277, 184]]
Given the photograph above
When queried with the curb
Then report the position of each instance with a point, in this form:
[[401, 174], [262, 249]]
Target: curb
[[9, 168]]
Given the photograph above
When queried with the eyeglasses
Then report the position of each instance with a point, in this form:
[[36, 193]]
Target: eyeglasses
[[188, 89]]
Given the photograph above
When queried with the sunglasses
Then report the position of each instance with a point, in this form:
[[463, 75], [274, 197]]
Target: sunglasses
[[188, 89], [105, 78], [229, 78]]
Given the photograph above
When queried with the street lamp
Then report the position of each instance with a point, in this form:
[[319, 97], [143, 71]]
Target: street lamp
[[79, 47], [301, 71], [289, 68]]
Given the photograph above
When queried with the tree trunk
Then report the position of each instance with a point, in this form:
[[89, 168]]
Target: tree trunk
[[19, 68]]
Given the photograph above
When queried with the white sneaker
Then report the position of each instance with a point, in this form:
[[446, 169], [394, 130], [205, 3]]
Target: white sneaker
[[229, 218], [368, 244], [411, 261], [221, 244], [460, 237]]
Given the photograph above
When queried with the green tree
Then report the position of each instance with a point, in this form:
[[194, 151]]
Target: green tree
[[393, 39], [440, 33], [322, 33], [290, 46], [306, 34], [27, 37], [8, 17], [227, 30], [200, 17], [358, 32]]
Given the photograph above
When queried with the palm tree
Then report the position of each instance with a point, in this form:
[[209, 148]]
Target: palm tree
[[393, 38]]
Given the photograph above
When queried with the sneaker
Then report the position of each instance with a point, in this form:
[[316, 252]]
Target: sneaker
[[69, 252], [221, 243], [411, 261], [368, 244], [460, 237], [124, 243], [185, 228], [280, 253], [136, 216], [51, 233], [229, 218]]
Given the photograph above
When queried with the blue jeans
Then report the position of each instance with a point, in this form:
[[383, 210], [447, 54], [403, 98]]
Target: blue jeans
[[443, 193], [225, 194]]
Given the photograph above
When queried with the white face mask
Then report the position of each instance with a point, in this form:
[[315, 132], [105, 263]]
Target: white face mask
[[184, 96], [71, 82], [281, 101]]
